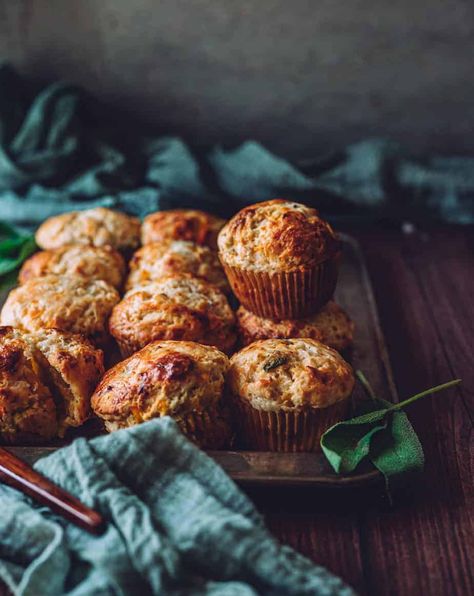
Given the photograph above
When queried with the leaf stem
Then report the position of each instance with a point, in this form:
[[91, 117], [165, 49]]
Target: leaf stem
[[418, 396], [366, 385]]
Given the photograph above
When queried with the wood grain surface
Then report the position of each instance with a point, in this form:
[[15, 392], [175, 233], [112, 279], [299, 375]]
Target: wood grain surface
[[424, 543]]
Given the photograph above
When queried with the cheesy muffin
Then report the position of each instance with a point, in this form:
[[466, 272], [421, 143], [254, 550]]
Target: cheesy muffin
[[181, 379], [331, 326], [92, 262], [46, 381], [68, 303], [160, 259], [177, 307], [96, 227], [287, 392], [281, 259], [182, 224]]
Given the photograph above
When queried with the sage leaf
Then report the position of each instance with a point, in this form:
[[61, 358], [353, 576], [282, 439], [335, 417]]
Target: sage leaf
[[15, 247], [398, 451], [274, 362], [347, 444], [382, 435]]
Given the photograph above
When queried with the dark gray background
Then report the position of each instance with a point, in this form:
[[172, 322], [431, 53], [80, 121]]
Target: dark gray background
[[301, 76]]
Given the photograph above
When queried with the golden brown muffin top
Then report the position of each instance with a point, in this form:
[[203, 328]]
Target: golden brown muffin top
[[160, 259], [331, 326], [174, 307], [164, 378], [98, 227], [91, 262], [46, 380], [182, 224], [276, 235], [288, 374], [68, 303]]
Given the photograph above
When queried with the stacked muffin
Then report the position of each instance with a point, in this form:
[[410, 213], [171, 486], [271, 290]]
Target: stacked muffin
[[282, 262]]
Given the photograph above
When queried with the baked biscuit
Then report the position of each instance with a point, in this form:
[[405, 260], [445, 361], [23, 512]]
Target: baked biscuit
[[159, 259], [287, 392], [91, 262], [74, 368], [46, 380], [281, 259], [177, 307], [181, 379], [331, 326], [97, 227], [68, 303], [182, 224]]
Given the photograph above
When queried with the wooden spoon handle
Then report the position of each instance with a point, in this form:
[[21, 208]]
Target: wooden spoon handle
[[18, 474]]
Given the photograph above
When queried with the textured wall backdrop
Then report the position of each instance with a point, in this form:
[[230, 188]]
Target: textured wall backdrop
[[301, 75]]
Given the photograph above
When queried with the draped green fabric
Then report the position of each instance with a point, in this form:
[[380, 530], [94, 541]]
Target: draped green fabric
[[60, 150], [176, 524]]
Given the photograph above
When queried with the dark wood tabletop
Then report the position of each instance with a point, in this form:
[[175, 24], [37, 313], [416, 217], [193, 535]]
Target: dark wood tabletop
[[424, 543]]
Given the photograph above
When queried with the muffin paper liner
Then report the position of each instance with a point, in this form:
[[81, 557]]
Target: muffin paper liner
[[285, 295], [209, 429], [288, 431]]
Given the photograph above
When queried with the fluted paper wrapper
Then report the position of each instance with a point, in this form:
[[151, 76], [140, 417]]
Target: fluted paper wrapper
[[285, 295], [209, 429], [288, 431]]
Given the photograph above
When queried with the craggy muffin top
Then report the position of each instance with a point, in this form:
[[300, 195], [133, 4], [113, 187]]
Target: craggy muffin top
[[91, 262], [182, 224], [46, 380], [174, 307], [69, 303], [331, 326], [97, 227], [288, 374], [165, 378], [276, 235], [159, 259]]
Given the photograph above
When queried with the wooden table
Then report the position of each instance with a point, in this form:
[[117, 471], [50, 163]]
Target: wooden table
[[424, 544]]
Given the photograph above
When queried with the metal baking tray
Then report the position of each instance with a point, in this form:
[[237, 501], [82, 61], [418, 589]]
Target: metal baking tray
[[369, 354]]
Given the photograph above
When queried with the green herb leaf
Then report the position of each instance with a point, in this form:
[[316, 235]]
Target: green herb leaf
[[382, 435], [347, 444], [274, 362], [398, 450], [15, 247]]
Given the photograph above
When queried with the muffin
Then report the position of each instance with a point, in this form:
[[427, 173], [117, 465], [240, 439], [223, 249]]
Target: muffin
[[281, 259], [46, 381], [331, 326], [95, 227], [160, 259], [68, 303], [182, 224], [181, 379], [92, 262], [176, 307], [287, 392]]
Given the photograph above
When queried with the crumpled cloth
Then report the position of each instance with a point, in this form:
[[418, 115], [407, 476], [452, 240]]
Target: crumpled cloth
[[176, 524], [61, 150]]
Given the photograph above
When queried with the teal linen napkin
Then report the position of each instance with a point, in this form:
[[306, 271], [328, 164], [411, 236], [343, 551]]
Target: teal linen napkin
[[176, 525], [61, 150]]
